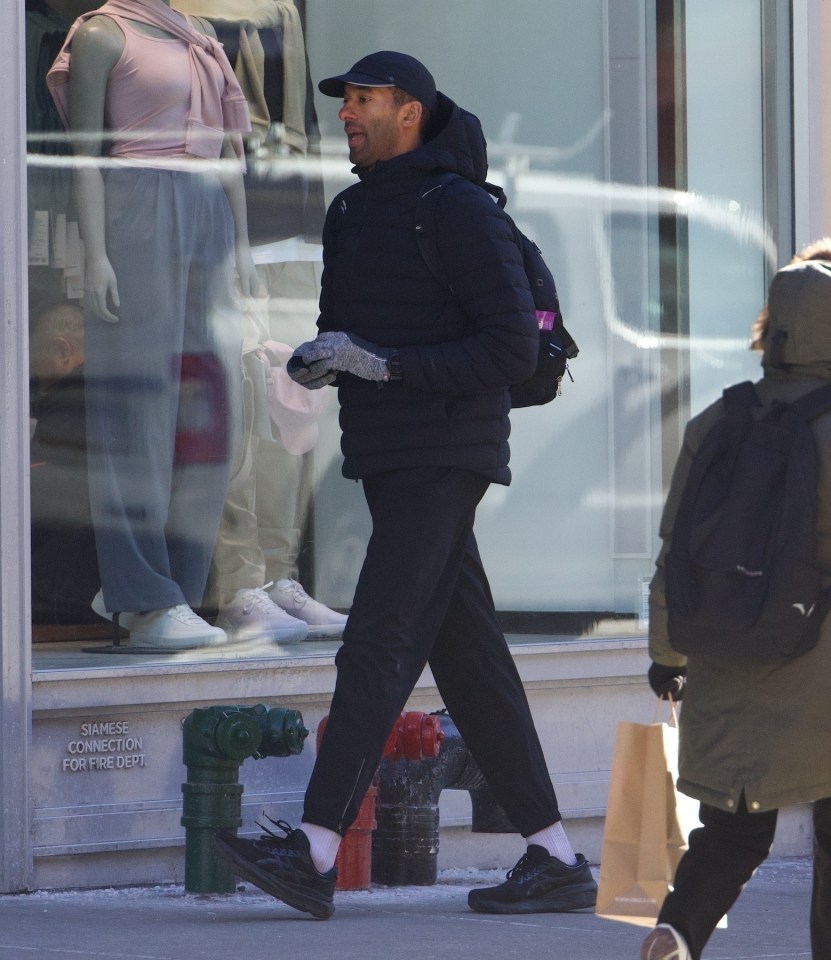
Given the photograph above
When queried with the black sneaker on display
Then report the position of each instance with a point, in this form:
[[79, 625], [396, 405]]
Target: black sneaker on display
[[281, 866], [539, 883]]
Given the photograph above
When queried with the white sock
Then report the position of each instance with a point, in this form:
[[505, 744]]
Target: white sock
[[556, 842], [323, 845]]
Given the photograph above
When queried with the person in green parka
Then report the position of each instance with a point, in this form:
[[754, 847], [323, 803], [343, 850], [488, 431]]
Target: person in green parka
[[753, 738]]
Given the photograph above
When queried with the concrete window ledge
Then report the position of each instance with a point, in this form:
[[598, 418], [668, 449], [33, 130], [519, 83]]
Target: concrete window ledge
[[117, 821]]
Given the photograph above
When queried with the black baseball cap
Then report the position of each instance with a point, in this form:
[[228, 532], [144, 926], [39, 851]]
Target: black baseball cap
[[386, 69]]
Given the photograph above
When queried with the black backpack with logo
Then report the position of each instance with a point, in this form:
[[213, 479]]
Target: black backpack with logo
[[742, 584], [556, 345]]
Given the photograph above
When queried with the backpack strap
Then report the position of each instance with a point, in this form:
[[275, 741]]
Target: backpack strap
[[740, 399], [815, 403], [425, 225], [497, 192]]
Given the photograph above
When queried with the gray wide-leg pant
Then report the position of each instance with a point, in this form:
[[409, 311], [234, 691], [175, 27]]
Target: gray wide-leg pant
[[162, 387]]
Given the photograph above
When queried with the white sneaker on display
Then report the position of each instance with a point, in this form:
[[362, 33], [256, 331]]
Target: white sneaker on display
[[253, 615], [173, 628], [322, 621], [124, 619]]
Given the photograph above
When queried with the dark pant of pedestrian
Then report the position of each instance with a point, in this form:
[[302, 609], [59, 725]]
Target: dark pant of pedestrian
[[821, 892], [423, 597], [722, 855]]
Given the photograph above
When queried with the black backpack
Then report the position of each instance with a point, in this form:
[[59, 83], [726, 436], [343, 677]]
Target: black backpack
[[556, 346], [742, 584]]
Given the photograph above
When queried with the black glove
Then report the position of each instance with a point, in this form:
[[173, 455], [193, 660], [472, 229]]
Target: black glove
[[667, 682]]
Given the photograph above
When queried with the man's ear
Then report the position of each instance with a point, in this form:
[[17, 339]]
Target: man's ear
[[66, 354], [411, 113], [62, 346]]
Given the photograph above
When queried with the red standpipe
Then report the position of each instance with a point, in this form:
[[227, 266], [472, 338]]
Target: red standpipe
[[405, 843], [414, 736]]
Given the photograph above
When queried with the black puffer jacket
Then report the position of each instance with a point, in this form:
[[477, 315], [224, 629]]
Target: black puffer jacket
[[460, 350]]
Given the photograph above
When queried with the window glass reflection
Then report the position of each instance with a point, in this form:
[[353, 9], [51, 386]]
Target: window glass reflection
[[163, 143], [173, 466]]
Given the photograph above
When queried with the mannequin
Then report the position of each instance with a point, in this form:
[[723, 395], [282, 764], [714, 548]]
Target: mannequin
[[163, 224], [254, 582]]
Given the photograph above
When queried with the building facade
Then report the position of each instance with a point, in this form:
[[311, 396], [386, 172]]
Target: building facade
[[666, 155]]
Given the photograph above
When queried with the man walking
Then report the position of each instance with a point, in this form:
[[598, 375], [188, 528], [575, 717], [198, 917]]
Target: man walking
[[423, 373]]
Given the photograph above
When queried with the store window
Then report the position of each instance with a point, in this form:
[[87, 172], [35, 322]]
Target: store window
[[169, 463], [570, 102]]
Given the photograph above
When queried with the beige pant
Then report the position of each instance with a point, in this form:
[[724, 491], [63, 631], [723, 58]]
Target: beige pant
[[267, 507]]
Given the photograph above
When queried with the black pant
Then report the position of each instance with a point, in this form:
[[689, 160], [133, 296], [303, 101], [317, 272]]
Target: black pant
[[722, 855], [423, 597]]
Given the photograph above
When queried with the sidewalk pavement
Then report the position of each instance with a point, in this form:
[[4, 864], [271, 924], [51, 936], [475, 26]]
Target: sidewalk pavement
[[385, 923]]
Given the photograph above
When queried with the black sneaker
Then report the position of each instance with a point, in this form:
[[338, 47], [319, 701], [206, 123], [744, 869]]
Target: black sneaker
[[283, 867], [539, 883]]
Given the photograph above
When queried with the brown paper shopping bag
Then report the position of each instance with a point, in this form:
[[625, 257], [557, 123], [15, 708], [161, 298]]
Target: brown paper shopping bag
[[647, 823]]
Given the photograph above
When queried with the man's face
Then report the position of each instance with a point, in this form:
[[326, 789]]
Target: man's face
[[372, 123]]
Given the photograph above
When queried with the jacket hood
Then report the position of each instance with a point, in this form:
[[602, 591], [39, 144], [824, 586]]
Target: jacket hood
[[455, 143], [799, 320]]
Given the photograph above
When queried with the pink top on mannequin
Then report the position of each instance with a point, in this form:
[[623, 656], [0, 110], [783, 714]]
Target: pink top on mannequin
[[205, 99], [148, 94]]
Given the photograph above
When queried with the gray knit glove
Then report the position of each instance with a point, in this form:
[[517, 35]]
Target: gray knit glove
[[309, 366], [313, 376], [353, 355]]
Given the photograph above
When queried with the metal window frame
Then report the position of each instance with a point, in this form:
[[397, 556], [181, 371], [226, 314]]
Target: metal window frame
[[777, 125], [808, 161], [673, 239], [791, 161], [16, 865]]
